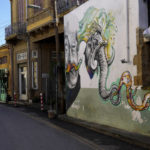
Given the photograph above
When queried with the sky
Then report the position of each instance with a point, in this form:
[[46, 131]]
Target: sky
[[4, 19]]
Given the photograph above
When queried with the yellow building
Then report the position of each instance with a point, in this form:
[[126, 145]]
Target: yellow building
[[36, 39], [5, 73]]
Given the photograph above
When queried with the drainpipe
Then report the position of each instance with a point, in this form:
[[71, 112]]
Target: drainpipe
[[28, 54], [128, 35]]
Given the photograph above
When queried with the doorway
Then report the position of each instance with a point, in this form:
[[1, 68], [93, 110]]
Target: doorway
[[23, 82]]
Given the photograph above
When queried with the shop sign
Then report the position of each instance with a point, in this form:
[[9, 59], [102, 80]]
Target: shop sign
[[22, 56]]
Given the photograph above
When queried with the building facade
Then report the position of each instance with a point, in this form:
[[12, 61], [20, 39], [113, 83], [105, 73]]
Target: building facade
[[5, 73], [107, 64], [36, 39], [31, 38]]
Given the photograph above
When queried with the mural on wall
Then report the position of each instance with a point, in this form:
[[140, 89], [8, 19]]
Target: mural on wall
[[126, 79], [72, 64], [97, 29]]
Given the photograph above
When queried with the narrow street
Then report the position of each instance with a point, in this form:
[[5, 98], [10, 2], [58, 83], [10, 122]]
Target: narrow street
[[21, 132], [25, 129]]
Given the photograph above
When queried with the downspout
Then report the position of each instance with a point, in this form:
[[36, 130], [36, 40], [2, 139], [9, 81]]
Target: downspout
[[128, 35]]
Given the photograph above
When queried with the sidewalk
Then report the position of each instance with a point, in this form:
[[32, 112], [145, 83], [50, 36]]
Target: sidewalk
[[131, 138]]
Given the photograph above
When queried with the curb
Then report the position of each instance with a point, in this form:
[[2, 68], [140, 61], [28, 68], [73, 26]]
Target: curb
[[1, 102], [131, 138], [32, 105]]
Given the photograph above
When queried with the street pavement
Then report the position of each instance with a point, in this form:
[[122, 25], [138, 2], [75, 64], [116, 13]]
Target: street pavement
[[23, 128]]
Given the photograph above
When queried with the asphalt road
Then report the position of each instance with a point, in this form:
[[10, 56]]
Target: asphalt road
[[19, 131], [25, 129]]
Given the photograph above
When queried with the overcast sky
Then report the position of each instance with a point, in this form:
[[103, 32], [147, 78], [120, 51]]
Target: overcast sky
[[4, 19]]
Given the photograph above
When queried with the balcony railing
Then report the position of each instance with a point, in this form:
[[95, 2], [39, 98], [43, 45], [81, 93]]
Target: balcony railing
[[18, 28], [66, 5], [41, 15]]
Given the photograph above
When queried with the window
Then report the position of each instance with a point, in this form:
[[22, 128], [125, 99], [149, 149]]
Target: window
[[20, 11], [34, 75], [3, 60], [34, 54]]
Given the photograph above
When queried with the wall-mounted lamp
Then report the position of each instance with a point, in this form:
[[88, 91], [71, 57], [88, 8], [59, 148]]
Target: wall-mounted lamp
[[124, 61], [34, 6]]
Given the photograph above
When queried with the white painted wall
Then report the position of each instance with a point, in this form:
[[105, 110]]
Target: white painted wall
[[119, 9], [89, 104]]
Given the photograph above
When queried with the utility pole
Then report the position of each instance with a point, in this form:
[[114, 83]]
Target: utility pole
[[28, 49], [28, 53], [12, 69], [57, 50]]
